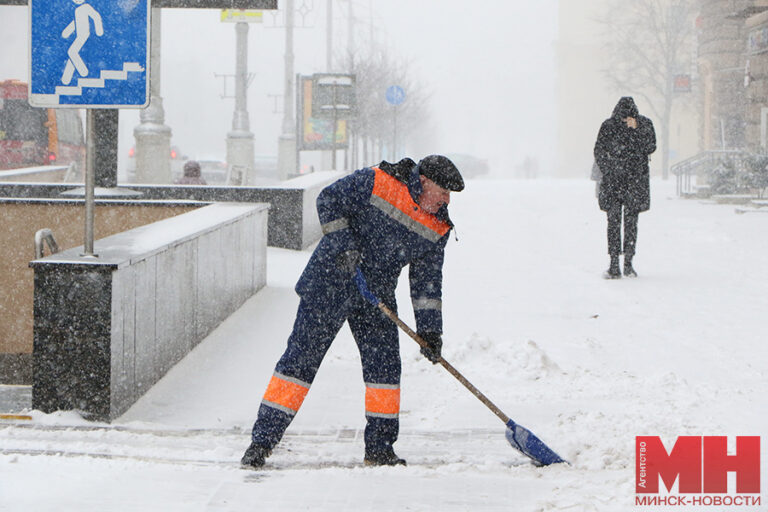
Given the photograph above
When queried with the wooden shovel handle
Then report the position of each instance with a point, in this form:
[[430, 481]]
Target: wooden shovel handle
[[453, 371]]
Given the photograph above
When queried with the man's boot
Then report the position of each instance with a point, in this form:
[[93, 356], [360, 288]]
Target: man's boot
[[628, 270], [255, 456], [613, 272], [383, 458]]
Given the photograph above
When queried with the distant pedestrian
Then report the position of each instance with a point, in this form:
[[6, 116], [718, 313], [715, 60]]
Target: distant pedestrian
[[624, 142], [192, 175], [378, 219]]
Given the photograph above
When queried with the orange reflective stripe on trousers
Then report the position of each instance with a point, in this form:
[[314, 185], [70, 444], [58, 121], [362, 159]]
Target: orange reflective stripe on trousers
[[285, 393], [382, 400]]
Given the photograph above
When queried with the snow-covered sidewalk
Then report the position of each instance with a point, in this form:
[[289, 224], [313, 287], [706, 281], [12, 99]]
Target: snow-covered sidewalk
[[587, 364]]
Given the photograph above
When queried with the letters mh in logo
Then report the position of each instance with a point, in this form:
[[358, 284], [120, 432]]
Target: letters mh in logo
[[700, 464]]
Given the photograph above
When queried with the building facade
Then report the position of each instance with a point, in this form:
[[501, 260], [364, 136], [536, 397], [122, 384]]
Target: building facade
[[585, 97], [721, 38], [756, 81], [733, 64]]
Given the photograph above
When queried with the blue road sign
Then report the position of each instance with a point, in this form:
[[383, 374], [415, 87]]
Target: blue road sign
[[89, 53], [395, 95]]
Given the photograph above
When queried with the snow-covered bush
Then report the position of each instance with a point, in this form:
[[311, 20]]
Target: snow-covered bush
[[756, 175]]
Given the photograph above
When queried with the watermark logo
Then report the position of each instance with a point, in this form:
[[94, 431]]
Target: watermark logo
[[699, 465]]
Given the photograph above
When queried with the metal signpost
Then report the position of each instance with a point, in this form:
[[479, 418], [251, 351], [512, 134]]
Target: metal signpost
[[89, 54], [334, 97], [395, 95]]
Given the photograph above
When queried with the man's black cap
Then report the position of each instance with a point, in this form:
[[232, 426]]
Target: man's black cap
[[442, 171]]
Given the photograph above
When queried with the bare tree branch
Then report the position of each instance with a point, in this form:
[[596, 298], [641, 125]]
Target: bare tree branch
[[375, 71], [649, 42]]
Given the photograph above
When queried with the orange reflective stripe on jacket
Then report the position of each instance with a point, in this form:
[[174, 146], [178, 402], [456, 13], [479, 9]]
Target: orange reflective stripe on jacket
[[394, 199], [285, 393], [382, 400]]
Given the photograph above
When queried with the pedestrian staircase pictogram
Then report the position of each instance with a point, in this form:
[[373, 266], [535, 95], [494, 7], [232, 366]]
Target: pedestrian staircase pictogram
[[77, 90]]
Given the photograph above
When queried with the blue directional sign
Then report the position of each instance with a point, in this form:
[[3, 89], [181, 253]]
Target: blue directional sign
[[395, 95], [89, 53]]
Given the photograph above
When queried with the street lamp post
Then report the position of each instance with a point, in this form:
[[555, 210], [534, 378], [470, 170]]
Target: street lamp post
[[240, 152], [153, 137], [287, 163]]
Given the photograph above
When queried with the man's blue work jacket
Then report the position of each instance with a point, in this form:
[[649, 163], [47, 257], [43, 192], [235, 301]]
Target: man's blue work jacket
[[374, 213]]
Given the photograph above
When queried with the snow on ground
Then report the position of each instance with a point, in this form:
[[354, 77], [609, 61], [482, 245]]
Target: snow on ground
[[586, 364]]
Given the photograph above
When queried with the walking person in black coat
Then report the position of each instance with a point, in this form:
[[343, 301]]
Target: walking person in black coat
[[624, 142]]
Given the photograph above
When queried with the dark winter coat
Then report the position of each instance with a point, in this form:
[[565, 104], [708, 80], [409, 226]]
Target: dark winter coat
[[376, 213], [191, 180], [192, 174], [622, 153]]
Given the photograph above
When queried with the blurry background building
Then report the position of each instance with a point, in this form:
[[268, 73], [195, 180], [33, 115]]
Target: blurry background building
[[754, 47], [589, 55], [722, 40]]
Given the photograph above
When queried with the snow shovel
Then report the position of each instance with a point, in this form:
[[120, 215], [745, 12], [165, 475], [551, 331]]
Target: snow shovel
[[518, 436]]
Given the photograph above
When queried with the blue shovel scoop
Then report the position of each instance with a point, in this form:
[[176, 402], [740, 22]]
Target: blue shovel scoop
[[518, 436]]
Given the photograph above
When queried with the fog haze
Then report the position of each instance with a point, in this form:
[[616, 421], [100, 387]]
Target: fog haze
[[489, 72]]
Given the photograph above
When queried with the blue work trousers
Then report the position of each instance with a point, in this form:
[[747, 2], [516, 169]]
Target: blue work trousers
[[317, 324]]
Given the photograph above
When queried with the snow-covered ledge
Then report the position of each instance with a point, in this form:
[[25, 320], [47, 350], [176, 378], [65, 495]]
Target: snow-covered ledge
[[293, 222], [107, 328]]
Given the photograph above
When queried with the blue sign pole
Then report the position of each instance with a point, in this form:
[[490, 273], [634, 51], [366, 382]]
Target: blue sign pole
[[89, 53], [395, 95]]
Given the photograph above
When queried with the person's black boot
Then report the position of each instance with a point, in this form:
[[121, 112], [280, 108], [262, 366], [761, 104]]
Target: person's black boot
[[628, 270], [254, 456], [383, 458], [613, 272]]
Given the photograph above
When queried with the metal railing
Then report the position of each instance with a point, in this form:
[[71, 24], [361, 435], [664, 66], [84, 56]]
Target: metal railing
[[236, 175], [45, 236], [71, 173], [703, 164]]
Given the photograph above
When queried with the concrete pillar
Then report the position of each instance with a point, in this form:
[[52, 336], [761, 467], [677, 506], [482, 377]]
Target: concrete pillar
[[153, 138], [240, 153], [286, 144], [105, 153]]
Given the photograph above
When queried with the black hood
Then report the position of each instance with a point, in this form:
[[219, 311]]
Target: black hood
[[401, 170], [625, 108]]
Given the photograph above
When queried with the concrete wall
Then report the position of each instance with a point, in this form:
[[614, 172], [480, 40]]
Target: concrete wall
[[293, 222], [21, 219], [48, 173], [106, 329]]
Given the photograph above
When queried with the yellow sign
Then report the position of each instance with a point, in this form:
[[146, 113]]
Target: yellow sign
[[238, 15], [15, 417]]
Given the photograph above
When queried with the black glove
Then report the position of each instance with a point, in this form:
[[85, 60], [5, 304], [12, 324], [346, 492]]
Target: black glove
[[435, 345], [348, 261]]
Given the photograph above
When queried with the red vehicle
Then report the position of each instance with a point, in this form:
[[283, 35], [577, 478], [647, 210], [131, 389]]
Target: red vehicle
[[31, 137]]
